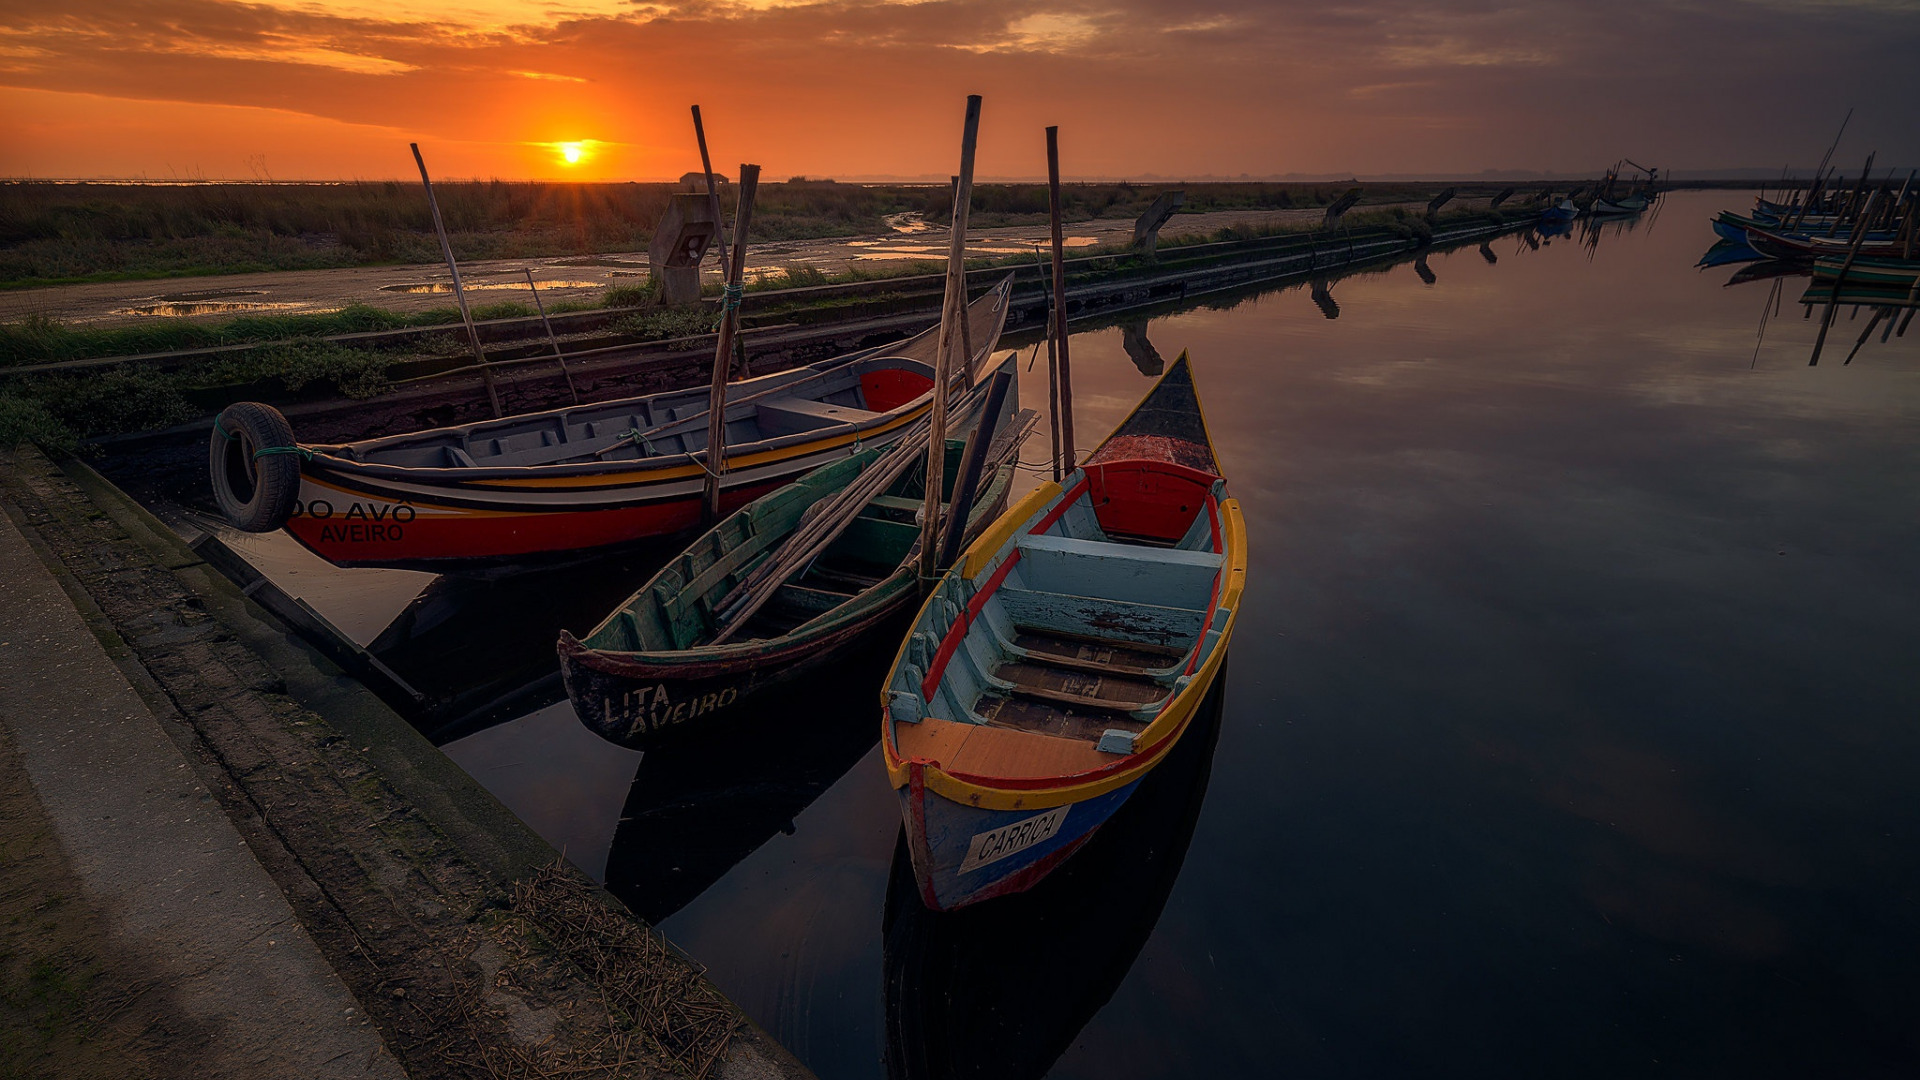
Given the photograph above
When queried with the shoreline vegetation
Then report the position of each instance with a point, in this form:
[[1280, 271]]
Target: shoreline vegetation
[[78, 233], [60, 411]]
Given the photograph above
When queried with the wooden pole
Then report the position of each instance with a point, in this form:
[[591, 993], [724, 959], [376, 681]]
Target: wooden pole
[[551, 340], [972, 459], [459, 296], [1846, 208], [1859, 235], [951, 313], [1819, 170], [719, 225], [1053, 392], [716, 464], [1067, 449]]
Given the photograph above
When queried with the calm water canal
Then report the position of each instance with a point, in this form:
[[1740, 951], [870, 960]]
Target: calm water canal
[[1572, 726]]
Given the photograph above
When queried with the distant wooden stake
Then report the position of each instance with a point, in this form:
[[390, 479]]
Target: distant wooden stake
[[459, 296], [1833, 305], [723, 348], [951, 312], [1067, 449], [551, 340]]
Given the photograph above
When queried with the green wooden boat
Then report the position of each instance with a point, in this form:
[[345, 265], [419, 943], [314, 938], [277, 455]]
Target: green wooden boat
[[1868, 270], [651, 666]]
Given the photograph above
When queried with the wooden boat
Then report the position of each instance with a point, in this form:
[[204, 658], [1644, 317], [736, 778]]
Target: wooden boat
[[1868, 271], [1065, 654], [1627, 204], [1735, 227], [1853, 293], [1784, 245], [1560, 213], [569, 480], [981, 995], [653, 665]]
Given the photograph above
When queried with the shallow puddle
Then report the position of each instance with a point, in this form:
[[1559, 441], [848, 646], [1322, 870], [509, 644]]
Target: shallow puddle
[[423, 287], [212, 307]]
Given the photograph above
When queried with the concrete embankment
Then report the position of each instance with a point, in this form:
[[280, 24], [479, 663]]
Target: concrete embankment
[[303, 885]]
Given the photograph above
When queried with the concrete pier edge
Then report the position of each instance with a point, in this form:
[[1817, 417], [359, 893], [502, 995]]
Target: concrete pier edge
[[485, 833]]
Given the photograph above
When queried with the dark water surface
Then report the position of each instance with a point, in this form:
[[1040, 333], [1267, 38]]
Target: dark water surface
[[1572, 725]]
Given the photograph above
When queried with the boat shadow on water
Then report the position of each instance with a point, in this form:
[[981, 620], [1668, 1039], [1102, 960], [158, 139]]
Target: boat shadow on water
[[707, 797], [479, 650], [1002, 988]]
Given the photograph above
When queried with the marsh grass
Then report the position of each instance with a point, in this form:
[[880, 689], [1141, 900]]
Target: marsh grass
[[54, 233]]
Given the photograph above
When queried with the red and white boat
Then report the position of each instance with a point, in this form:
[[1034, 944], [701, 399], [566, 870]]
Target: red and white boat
[[559, 482]]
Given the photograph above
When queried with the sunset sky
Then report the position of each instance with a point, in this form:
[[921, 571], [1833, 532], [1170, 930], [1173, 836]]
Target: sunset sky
[[599, 89]]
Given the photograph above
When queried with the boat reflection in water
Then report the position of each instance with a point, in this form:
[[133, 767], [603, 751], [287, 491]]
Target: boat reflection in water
[[478, 650], [1002, 988], [707, 797]]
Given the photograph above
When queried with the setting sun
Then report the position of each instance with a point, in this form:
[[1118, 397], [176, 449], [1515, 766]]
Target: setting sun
[[572, 152]]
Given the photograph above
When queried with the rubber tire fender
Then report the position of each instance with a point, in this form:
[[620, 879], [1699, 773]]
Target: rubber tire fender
[[256, 492]]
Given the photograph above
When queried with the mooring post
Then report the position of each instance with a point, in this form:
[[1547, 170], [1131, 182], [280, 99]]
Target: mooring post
[[1055, 211], [716, 464], [951, 312], [719, 227], [1146, 231], [459, 296]]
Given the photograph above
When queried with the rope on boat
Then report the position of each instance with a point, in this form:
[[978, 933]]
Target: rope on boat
[[265, 450], [639, 439], [730, 294]]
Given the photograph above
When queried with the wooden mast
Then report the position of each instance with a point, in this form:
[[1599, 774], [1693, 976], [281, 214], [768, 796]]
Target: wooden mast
[[716, 463], [1066, 448], [719, 224], [954, 310], [459, 296]]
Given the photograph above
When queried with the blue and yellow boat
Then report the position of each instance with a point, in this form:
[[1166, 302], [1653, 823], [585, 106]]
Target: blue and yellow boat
[[1064, 655]]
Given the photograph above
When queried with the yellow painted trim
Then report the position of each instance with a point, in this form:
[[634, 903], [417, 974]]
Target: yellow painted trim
[[1161, 735]]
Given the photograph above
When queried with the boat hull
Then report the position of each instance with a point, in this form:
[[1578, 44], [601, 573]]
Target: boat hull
[[358, 518], [635, 699], [963, 854], [1884, 273]]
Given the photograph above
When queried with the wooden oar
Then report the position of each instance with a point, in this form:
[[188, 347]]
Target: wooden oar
[[825, 526]]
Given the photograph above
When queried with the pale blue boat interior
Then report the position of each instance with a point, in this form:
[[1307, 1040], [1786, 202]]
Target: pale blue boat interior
[[1086, 637]]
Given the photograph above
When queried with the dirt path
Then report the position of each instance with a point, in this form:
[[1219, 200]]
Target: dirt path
[[417, 288]]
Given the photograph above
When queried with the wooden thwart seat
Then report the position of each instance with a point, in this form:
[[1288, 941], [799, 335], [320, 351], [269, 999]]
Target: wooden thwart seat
[[1087, 690], [1042, 718], [1082, 652]]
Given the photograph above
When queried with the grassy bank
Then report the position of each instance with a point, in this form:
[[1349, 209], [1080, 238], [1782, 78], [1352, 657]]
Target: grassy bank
[[56, 233], [60, 411]]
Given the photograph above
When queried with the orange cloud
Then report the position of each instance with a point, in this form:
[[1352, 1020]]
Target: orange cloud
[[867, 87]]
